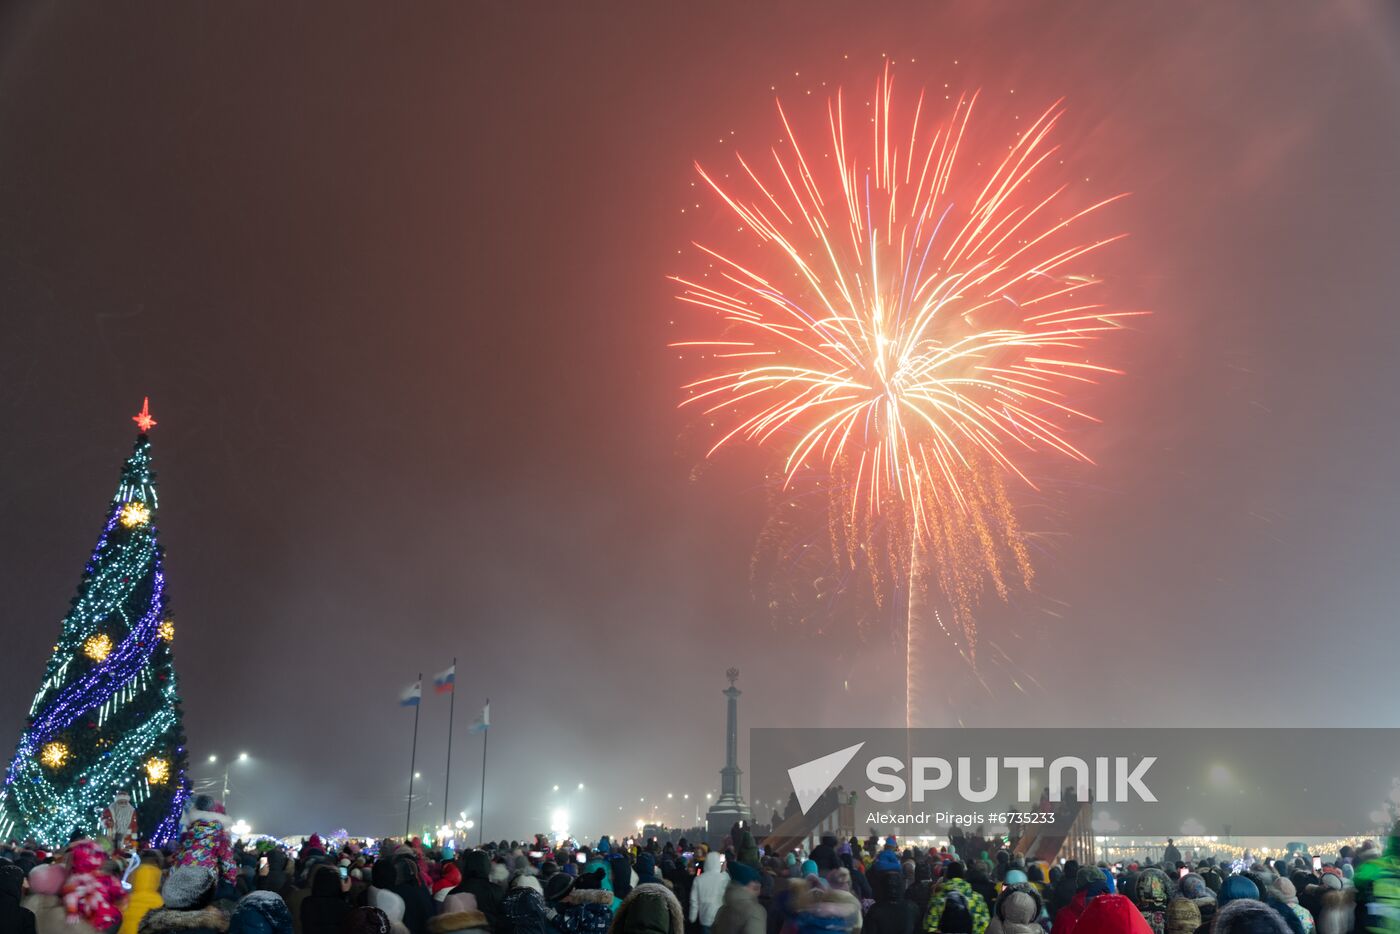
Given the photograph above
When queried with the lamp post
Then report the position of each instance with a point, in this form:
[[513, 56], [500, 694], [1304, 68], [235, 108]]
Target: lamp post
[[213, 760]]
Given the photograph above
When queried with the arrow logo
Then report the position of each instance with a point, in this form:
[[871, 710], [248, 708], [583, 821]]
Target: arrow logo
[[810, 780]]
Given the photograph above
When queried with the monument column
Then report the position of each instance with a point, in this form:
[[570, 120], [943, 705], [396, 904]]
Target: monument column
[[730, 807]]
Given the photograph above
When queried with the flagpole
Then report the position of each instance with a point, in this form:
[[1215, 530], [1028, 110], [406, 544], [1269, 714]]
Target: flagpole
[[481, 825], [451, 709], [413, 758]]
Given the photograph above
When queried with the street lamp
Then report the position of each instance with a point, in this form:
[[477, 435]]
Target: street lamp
[[214, 758]]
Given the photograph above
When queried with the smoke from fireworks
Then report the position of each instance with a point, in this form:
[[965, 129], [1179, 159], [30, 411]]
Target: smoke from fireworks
[[905, 323]]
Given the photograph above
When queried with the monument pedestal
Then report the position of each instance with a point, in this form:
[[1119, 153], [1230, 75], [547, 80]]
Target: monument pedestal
[[730, 808]]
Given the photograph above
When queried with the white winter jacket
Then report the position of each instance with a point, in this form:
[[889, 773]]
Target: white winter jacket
[[707, 892]]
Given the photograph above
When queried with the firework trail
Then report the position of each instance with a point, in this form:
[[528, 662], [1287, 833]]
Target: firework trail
[[904, 329]]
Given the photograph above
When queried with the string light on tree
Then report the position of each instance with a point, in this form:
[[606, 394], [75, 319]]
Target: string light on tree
[[167, 630]]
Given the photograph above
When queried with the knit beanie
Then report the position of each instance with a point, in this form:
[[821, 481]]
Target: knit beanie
[[47, 879], [188, 888]]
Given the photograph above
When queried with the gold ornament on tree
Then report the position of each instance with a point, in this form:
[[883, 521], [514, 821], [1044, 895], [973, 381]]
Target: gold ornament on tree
[[157, 770], [54, 755], [134, 514], [98, 646]]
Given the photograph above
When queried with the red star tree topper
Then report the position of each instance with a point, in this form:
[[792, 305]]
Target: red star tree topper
[[143, 419]]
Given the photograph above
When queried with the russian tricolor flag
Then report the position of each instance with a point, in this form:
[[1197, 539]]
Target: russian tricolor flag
[[413, 696], [444, 681]]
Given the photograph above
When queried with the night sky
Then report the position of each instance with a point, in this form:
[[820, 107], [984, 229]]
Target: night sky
[[394, 279]]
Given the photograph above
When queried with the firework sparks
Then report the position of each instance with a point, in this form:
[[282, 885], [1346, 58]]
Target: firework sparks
[[909, 328]]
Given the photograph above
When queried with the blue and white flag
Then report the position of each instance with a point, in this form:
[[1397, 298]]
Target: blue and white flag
[[482, 723], [412, 696], [443, 681]]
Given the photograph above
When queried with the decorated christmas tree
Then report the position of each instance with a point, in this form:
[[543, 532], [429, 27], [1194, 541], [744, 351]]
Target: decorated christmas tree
[[107, 718]]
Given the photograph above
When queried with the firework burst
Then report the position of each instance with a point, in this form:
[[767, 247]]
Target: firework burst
[[907, 320]]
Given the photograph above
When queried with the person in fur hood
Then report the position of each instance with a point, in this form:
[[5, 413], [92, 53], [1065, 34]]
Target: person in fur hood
[[204, 841], [188, 894], [459, 914], [649, 909], [578, 910]]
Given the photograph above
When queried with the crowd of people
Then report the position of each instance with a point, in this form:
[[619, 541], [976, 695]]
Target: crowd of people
[[209, 884]]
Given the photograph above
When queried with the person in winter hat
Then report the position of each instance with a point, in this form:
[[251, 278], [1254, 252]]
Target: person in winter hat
[[1150, 892], [1247, 916], [144, 897], [418, 901], [954, 886], [580, 906], [14, 917], [261, 913], [44, 899], [366, 920], [1183, 916], [324, 909], [649, 909], [459, 914], [188, 894], [1089, 884], [1193, 886], [741, 913], [448, 879], [1018, 909], [524, 907], [391, 906], [476, 882], [824, 854], [707, 892], [276, 877], [1112, 914], [205, 841], [1287, 895], [91, 895], [891, 913], [1235, 887]]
